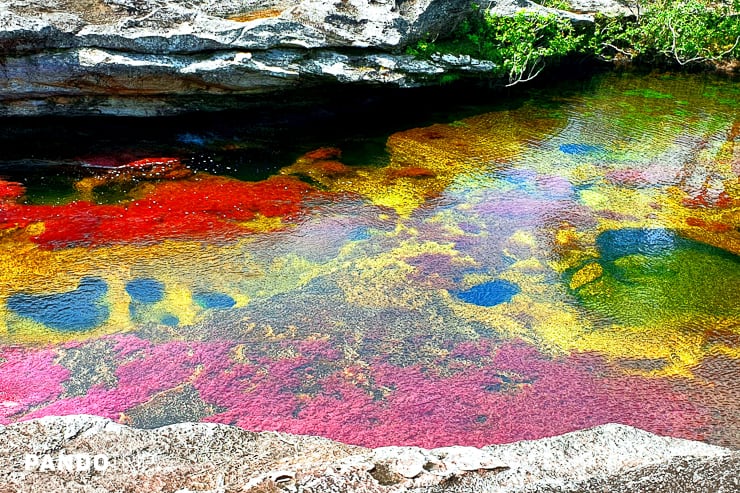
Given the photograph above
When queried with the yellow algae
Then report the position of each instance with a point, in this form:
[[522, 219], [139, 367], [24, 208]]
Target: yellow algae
[[422, 164], [586, 173], [524, 238], [502, 319], [630, 203], [471, 279], [680, 350], [731, 352], [117, 300], [262, 224], [587, 274], [283, 274], [181, 266], [425, 161], [414, 247], [448, 221], [540, 314], [379, 282], [715, 226], [573, 258], [402, 196], [558, 328], [531, 265], [572, 248], [706, 205], [383, 280], [35, 229], [529, 280], [178, 300], [566, 236]]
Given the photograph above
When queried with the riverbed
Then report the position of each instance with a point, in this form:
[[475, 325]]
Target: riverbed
[[525, 266]]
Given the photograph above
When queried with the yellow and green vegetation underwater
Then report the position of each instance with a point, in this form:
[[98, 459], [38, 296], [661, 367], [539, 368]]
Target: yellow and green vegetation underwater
[[529, 268]]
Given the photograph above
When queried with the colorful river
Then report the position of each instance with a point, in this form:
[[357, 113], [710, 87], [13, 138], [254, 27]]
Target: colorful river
[[533, 269]]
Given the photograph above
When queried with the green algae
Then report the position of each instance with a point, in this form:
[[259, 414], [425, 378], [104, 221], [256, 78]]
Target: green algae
[[691, 281]]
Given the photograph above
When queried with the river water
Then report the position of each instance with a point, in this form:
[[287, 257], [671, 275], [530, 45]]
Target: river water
[[510, 270]]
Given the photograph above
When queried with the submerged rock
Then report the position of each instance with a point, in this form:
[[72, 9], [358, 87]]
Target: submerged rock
[[212, 457]]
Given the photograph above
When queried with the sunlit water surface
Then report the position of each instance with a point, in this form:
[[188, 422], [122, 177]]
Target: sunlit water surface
[[527, 269]]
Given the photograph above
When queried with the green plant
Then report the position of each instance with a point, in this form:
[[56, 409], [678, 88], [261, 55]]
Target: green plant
[[524, 43], [519, 45], [673, 31], [555, 4], [677, 32]]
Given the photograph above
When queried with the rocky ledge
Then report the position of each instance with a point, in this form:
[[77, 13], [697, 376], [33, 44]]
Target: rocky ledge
[[46, 455], [158, 57]]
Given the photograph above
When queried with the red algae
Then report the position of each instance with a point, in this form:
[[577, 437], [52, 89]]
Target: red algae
[[199, 208], [351, 324], [411, 172], [703, 199], [712, 226], [520, 394], [152, 162], [10, 190], [163, 168], [324, 154], [333, 168]]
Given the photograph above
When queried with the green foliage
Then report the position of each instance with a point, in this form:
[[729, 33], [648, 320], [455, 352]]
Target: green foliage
[[555, 4], [519, 45], [659, 31], [671, 31], [522, 44], [449, 78]]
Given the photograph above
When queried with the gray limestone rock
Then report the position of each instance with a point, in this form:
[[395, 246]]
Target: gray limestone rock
[[142, 57], [379, 23], [606, 7], [159, 57], [176, 26], [193, 457]]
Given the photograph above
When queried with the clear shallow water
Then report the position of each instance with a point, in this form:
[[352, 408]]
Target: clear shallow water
[[521, 271]]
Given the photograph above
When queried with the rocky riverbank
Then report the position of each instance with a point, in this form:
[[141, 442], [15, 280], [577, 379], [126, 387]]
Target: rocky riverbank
[[193, 457], [160, 57]]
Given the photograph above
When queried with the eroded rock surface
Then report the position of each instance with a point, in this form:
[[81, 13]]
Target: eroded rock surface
[[159, 57], [141, 57], [218, 458]]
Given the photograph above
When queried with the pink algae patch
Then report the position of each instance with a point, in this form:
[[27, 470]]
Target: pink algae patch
[[149, 369], [487, 395], [28, 378], [519, 395]]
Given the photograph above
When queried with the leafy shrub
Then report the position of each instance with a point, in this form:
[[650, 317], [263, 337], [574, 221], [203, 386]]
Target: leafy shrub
[[671, 31], [519, 45], [659, 31]]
